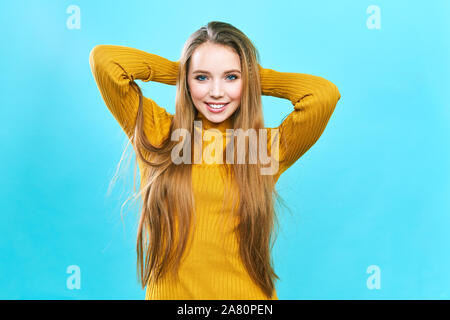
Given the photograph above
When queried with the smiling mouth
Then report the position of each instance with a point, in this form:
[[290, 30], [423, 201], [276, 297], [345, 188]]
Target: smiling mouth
[[216, 107]]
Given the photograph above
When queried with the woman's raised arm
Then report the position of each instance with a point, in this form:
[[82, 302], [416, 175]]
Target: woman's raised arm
[[314, 99], [115, 67]]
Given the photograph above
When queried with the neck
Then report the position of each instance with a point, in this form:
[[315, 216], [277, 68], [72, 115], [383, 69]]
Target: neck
[[221, 126]]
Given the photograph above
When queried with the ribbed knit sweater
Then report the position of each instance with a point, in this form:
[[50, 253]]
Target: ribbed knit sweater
[[212, 268]]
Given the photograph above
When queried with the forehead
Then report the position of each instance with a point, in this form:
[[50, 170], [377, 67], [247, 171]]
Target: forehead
[[214, 58]]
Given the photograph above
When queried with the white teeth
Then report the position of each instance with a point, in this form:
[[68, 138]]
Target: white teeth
[[216, 106]]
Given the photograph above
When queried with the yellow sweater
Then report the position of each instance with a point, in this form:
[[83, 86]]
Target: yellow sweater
[[212, 268]]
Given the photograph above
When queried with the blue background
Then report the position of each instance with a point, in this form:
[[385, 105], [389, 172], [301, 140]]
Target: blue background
[[372, 191]]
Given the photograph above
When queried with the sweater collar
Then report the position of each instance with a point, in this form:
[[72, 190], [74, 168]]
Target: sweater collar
[[221, 126]]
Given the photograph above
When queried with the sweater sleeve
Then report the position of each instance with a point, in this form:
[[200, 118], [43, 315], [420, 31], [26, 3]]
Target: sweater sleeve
[[114, 68], [314, 99]]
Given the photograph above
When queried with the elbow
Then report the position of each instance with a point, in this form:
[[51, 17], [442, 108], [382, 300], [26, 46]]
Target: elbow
[[94, 55], [334, 93], [330, 96], [328, 93], [98, 56]]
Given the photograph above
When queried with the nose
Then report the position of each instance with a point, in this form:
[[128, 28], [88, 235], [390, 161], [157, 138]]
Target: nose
[[216, 89]]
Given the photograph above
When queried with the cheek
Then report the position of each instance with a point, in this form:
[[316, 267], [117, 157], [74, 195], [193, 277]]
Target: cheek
[[235, 91], [198, 92]]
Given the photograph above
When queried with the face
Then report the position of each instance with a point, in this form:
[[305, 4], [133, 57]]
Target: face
[[214, 77]]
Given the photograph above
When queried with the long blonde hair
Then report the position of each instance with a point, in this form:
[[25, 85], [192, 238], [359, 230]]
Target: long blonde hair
[[164, 226]]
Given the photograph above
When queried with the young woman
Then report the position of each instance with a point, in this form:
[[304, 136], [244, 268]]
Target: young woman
[[185, 247]]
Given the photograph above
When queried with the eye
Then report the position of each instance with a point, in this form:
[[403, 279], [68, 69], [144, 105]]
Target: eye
[[230, 75], [197, 78], [233, 75]]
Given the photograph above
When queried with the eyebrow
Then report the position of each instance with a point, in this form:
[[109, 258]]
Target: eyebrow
[[203, 71]]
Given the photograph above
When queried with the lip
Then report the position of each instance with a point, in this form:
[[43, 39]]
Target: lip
[[215, 110]]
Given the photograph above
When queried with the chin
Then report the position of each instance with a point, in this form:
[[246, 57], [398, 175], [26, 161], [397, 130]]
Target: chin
[[217, 118]]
